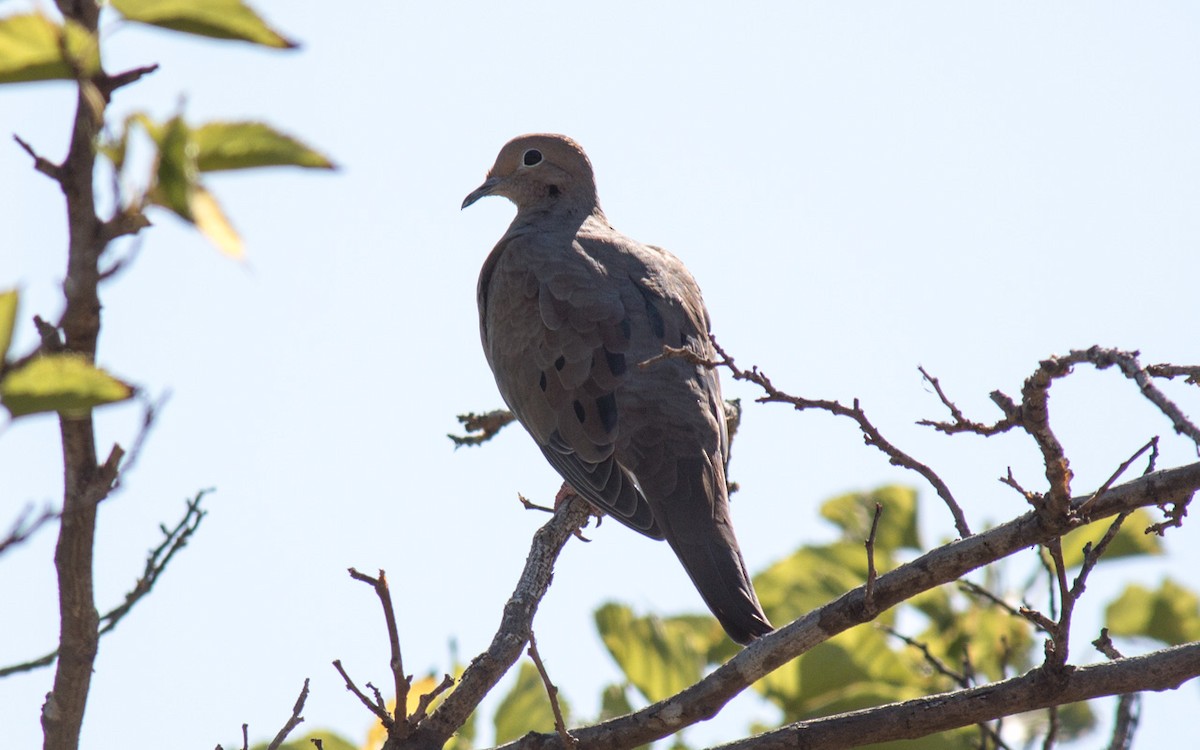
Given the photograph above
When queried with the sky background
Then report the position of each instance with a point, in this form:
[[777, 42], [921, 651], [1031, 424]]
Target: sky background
[[859, 189]]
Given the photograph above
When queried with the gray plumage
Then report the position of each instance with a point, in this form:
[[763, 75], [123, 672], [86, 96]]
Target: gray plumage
[[568, 308]]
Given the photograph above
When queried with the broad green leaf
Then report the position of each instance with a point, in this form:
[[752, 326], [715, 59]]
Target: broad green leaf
[[1171, 614], [854, 512], [66, 383], [614, 703], [812, 576], [246, 145], [219, 19], [35, 48], [330, 741], [8, 320], [213, 224], [175, 174], [1131, 539], [854, 670], [526, 708], [659, 657]]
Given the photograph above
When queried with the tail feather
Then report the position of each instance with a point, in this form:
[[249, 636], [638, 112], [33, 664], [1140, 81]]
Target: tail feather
[[719, 574]]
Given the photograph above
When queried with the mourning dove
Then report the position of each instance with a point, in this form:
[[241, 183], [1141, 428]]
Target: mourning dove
[[568, 309]]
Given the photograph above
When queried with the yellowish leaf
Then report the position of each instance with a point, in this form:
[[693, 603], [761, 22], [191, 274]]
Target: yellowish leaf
[[213, 224]]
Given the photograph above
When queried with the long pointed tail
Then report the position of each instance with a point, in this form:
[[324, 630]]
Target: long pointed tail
[[715, 566]]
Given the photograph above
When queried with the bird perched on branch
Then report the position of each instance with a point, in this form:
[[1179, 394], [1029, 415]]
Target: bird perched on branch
[[569, 310]]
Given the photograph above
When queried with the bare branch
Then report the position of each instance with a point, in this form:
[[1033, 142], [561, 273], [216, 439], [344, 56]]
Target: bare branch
[[25, 527], [560, 725], [174, 540], [401, 681], [41, 164], [294, 721], [425, 700], [1162, 670], [110, 83], [1190, 373], [486, 669], [376, 706], [939, 566], [1152, 444], [872, 574], [871, 434], [961, 423]]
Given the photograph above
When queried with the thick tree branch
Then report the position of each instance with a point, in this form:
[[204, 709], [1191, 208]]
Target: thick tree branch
[[1162, 670], [943, 565], [485, 670]]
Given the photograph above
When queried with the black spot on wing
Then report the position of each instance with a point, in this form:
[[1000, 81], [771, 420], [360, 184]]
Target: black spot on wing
[[606, 405], [542, 382], [653, 316], [560, 363], [616, 362], [579, 412]]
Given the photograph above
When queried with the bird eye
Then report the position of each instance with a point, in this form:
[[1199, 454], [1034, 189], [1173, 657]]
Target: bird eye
[[532, 157]]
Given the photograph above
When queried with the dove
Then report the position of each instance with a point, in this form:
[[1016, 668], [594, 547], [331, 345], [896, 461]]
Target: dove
[[570, 311]]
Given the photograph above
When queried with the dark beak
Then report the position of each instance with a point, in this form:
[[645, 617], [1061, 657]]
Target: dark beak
[[486, 188]]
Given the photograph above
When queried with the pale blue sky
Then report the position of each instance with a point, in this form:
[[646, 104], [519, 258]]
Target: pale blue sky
[[859, 189]]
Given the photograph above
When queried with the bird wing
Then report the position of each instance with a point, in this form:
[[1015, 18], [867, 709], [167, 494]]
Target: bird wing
[[557, 329]]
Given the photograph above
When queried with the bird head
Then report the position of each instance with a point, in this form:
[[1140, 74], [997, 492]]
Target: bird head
[[540, 172]]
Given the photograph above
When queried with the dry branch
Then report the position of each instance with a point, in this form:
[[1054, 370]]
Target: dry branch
[[943, 565], [1162, 670], [486, 669]]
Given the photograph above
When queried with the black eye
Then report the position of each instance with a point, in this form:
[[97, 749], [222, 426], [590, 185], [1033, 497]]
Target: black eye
[[532, 157]]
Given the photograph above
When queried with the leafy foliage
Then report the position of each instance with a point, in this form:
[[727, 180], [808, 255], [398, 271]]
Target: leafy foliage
[[219, 19], [35, 48]]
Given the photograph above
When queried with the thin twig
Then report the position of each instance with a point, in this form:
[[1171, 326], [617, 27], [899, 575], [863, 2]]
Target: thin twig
[[872, 574], [40, 163], [961, 423], [871, 434], [292, 722], [175, 539], [560, 725], [426, 700], [971, 587], [933, 661], [376, 707], [1152, 444], [401, 681], [1191, 373], [110, 83], [25, 527]]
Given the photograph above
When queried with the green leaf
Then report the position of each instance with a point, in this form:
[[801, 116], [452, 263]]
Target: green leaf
[[175, 176], [856, 669], [246, 145], [1131, 539], [66, 383], [34, 48], [812, 576], [659, 657], [8, 320], [1171, 614], [614, 703], [219, 19], [526, 708], [853, 514]]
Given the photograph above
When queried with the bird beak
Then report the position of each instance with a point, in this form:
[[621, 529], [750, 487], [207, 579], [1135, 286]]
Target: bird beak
[[486, 188]]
